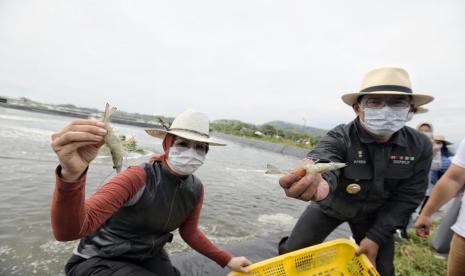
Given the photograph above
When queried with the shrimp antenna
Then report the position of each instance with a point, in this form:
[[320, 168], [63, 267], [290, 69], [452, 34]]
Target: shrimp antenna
[[108, 112], [164, 124]]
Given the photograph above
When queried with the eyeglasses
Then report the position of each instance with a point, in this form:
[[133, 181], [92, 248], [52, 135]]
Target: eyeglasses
[[382, 102], [183, 145]]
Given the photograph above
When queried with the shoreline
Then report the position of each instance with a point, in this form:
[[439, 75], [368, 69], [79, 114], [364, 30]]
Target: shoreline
[[81, 115], [273, 147]]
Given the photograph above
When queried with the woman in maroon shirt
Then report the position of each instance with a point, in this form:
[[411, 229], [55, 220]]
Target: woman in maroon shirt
[[125, 224]]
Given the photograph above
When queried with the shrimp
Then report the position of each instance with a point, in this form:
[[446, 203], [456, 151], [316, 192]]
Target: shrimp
[[312, 167], [112, 141]]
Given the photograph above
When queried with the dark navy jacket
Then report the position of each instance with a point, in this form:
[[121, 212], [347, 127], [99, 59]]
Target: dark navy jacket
[[393, 176]]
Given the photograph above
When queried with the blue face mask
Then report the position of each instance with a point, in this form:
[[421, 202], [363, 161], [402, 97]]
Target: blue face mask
[[385, 121]]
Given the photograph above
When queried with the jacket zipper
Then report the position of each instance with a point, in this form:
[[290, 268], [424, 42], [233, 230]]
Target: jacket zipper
[[171, 206]]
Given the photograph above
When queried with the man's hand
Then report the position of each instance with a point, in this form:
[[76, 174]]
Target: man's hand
[[369, 248], [309, 187], [77, 145], [239, 264], [423, 226]]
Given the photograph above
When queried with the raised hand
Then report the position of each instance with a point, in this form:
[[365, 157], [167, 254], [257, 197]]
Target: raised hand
[[77, 145]]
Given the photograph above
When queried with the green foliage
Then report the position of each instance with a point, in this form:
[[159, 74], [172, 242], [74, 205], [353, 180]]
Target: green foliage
[[265, 132], [415, 257], [268, 130], [298, 128], [130, 145]]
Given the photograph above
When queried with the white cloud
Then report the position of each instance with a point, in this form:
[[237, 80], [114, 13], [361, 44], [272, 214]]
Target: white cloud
[[255, 61]]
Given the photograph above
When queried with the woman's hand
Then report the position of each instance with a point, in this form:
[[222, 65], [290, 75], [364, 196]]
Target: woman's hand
[[239, 264], [77, 145], [369, 248]]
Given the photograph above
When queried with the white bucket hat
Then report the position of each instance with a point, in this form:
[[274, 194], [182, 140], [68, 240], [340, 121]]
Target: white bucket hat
[[387, 81], [191, 125], [428, 124]]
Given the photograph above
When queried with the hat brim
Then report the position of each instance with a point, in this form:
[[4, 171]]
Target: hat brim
[[444, 141], [417, 99], [421, 110], [160, 133]]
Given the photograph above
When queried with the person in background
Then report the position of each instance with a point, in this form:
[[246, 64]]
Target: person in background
[[443, 154], [426, 128], [124, 226], [440, 163], [386, 175], [443, 237], [445, 189]]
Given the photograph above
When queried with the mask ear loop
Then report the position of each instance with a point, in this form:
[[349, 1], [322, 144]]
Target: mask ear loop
[[410, 116], [410, 113]]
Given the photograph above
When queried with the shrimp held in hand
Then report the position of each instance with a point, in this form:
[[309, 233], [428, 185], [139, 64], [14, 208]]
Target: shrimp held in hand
[[309, 168], [112, 141]]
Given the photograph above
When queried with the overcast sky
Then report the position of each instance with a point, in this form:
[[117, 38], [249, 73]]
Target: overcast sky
[[255, 61]]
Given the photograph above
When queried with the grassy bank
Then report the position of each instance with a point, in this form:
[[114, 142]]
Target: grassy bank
[[275, 132], [415, 257], [267, 133]]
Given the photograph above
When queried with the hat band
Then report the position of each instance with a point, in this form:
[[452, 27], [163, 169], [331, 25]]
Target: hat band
[[190, 130], [397, 88]]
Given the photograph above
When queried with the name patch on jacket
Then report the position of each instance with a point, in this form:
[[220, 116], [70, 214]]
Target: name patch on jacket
[[360, 160], [401, 160]]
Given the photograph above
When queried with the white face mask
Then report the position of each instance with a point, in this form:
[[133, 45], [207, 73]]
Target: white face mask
[[183, 161], [428, 134], [384, 121]]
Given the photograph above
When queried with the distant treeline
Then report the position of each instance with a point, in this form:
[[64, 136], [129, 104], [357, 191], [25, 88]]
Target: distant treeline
[[275, 132], [93, 112], [265, 132]]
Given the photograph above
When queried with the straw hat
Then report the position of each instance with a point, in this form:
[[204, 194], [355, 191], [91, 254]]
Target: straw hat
[[442, 139], [191, 125], [387, 81]]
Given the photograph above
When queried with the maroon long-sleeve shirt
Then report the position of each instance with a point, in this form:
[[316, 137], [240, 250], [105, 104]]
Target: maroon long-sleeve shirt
[[74, 217]]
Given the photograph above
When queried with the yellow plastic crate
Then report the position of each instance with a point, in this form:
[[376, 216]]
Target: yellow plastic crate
[[335, 257]]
